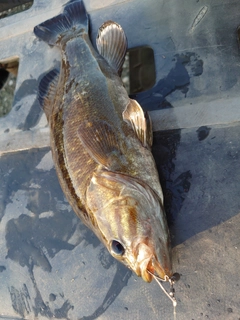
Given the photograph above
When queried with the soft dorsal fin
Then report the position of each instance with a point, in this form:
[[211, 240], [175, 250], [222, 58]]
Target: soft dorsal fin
[[112, 44], [47, 90], [101, 142], [133, 113]]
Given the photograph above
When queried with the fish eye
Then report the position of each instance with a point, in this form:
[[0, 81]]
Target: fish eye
[[117, 248]]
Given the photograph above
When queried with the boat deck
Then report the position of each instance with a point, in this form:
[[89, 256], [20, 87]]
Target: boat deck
[[51, 265]]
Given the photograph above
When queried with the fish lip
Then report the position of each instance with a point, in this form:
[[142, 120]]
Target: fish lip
[[163, 273], [150, 267], [146, 264], [142, 256]]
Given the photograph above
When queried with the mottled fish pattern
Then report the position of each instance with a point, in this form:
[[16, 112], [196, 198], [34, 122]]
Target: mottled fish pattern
[[101, 143]]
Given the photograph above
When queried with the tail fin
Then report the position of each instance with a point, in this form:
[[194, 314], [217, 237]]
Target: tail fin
[[74, 19]]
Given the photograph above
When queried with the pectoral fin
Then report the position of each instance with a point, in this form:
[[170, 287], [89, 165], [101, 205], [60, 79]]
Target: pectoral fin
[[101, 142], [141, 125], [112, 44]]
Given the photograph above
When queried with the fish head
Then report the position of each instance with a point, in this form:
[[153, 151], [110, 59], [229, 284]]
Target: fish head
[[130, 220]]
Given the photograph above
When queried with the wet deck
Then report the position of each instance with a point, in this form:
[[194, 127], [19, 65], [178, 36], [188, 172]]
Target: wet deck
[[51, 265]]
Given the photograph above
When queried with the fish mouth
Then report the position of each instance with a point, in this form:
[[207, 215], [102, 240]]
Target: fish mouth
[[162, 273], [148, 265]]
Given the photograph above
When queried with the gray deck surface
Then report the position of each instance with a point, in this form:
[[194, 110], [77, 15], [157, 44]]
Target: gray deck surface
[[51, 265]]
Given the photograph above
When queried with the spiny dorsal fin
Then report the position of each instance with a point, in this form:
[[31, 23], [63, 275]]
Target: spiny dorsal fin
[[47, 90], [133, 113], [112, 44], [101, 142]]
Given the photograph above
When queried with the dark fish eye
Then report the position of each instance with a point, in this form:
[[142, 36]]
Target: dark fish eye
[[117, 248]]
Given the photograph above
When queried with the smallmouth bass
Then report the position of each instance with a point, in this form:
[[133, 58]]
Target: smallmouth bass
[[101, 140]]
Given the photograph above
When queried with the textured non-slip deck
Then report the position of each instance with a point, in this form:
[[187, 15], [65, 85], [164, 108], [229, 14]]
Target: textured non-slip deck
[[51, 265]]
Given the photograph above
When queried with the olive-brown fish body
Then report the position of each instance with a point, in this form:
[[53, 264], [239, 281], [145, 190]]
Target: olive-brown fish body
[[100, 142]]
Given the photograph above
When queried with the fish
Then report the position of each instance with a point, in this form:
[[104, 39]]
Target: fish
[[101, 143]]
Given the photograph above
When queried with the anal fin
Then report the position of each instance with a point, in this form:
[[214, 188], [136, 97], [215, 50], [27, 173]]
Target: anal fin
[[47, 90]]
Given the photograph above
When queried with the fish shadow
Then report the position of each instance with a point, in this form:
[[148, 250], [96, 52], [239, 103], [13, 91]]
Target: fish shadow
[[196, 174]]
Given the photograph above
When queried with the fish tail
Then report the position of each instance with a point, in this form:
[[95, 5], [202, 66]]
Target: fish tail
[[73, 20]]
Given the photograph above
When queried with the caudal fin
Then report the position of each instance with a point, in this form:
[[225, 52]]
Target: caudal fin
[[73, 20]]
